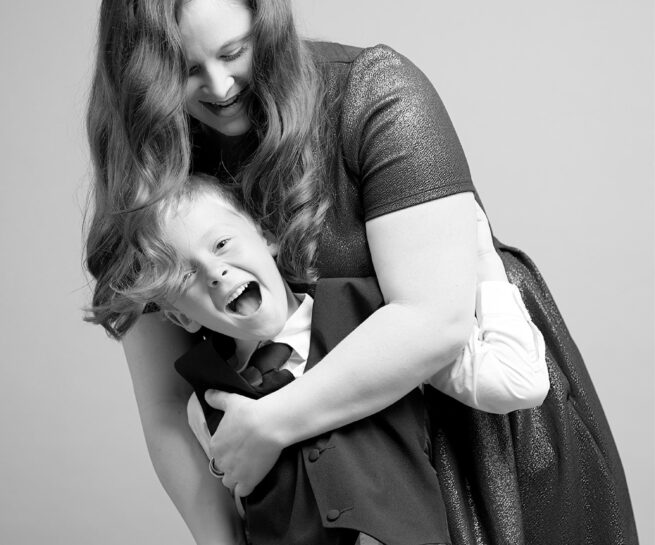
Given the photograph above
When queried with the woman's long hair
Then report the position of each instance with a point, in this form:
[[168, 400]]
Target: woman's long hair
[[284, 184], [139, 139]]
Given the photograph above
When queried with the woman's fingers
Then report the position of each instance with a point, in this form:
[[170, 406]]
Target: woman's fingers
[[217, 399], [229, 482], [241, 491], [244, 445]]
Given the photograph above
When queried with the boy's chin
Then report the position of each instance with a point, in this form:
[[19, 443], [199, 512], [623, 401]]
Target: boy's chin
[[267, 330]]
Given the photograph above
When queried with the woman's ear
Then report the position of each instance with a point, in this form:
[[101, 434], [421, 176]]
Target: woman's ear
[[181, 319]]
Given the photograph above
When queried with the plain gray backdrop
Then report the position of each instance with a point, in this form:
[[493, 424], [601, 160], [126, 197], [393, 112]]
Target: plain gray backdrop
[[553, 102]]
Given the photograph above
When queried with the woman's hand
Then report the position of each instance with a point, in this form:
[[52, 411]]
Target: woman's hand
[[244, 446]]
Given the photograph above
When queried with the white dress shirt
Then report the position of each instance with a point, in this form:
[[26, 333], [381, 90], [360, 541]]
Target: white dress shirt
[[296, 333], [502, 367]]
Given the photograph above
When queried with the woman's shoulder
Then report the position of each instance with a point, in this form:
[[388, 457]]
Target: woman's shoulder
[[353, 68], [332, 52], [336, 53]]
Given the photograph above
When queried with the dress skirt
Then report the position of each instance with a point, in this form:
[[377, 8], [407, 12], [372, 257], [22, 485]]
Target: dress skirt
[[549, 475]]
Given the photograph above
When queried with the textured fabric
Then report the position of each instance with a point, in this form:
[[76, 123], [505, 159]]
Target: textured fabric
[[539, 476], [545, 475], [396, 147]]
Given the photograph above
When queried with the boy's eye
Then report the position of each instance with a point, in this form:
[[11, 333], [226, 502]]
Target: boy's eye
[[187, 276], [222, 243]]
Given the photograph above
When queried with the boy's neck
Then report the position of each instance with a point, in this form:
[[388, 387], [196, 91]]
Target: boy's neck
[[245, 348], [293, 302]]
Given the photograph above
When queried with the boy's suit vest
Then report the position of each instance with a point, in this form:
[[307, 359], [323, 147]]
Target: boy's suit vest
[[373, 476]]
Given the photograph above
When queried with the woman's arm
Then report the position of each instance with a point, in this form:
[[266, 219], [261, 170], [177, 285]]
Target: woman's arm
[[425, 259], [503, 365], [150, 347]]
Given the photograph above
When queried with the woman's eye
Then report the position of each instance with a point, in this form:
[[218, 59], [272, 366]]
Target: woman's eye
[[222, 243], [235, 55], [193, 70]]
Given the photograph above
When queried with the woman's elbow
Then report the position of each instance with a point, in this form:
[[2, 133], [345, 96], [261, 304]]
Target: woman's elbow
[[446, 342]]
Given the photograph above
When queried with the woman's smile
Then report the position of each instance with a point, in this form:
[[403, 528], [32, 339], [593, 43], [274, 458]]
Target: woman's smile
[[229, 107], [216, 42]]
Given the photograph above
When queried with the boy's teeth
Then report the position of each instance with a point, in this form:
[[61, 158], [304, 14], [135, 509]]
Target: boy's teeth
[[237, 293]]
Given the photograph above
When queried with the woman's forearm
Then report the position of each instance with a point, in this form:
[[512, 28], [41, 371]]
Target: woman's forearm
[[394, 350], [151, 347], [204, 503]]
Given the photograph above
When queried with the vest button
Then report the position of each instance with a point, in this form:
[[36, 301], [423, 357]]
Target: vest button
[[314, 455], [332, 515]]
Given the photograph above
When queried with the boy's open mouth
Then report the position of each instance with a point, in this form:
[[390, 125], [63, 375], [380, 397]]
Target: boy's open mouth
[[246, 300]]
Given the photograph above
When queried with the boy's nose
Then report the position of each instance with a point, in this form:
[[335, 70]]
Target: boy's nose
[[215, 276]]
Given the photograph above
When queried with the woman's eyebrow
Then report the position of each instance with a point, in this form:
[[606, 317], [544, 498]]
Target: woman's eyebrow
[[237, 40]]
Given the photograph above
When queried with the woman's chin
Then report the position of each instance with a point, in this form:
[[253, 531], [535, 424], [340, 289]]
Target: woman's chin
[[235, 125]]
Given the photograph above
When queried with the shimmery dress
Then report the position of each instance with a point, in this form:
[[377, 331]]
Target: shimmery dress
[[540, 476]]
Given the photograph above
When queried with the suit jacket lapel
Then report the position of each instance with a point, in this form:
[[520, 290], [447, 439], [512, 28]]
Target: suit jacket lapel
[[340, 305], [205, 367]]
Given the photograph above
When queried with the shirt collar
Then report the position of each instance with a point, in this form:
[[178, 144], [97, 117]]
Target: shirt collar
[[297, 329]]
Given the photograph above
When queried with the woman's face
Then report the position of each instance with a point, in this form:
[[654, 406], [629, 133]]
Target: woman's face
[[217, 46]]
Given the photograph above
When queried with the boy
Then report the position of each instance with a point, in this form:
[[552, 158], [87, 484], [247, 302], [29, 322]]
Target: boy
[[232, 286]]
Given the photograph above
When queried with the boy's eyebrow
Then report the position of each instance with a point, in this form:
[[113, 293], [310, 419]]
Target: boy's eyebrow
[[212, 234]]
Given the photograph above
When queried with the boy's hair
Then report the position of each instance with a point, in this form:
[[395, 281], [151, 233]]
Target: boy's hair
[[151, 273]]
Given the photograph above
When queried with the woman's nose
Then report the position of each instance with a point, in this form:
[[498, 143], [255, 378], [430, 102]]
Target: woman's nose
[[218, 82]]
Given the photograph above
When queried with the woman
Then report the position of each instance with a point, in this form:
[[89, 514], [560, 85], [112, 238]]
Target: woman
[[349, 158]]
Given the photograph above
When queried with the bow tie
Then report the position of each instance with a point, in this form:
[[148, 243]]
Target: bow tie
[[263, 370]]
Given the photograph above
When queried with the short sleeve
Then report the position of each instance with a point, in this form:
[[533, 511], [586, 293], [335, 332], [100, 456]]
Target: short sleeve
[[397, 136]]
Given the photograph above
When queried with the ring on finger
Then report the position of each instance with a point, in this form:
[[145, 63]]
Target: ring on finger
[[214, 470]]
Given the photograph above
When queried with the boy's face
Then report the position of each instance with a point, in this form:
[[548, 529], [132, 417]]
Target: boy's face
[[232, 284]]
